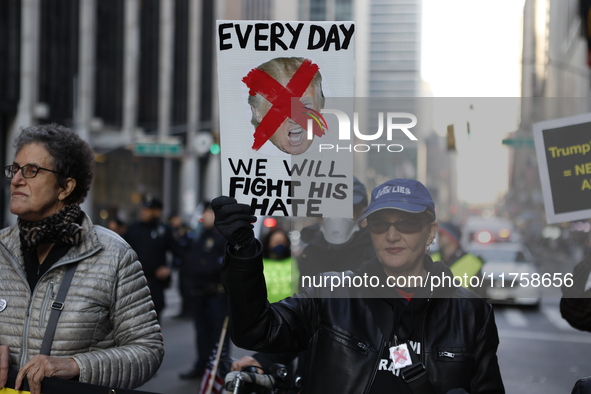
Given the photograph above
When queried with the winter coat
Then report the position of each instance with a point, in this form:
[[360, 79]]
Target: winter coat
[[575, 304], [108, 324], [151, 240], [345, 331]]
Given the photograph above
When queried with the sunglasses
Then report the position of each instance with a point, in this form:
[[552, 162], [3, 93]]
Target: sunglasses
[[405, 226]]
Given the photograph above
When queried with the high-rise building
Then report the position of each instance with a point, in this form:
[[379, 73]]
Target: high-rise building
[[555, 84], [326, 10], [394, 53], [118, 73], [388, 63]]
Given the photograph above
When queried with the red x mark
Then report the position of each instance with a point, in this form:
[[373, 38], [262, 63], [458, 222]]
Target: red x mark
[[280, 97], [399, 356]]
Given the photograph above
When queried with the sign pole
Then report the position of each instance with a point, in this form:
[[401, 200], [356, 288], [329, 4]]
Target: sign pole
[[217, 357]]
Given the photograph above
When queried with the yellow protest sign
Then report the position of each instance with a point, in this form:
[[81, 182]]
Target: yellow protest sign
[[6, 390]]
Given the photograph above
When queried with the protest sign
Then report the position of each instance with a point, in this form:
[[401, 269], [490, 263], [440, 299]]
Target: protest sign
[[562, 146], [60, 386], [274, 79]]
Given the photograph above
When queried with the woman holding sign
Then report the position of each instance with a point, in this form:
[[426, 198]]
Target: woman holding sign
[[385, 327], [75, 304]]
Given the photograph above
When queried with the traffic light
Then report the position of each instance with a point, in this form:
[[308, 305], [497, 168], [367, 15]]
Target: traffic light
[[214, 149], [451, 138]]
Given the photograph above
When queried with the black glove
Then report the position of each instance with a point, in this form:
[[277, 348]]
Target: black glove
[[234, 221]]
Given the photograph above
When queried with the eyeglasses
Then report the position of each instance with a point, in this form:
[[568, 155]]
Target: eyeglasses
[[405, 226], [27, 171]]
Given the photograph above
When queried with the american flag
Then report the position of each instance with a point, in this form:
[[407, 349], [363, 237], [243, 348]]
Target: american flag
[[218, 382], [216, 362]]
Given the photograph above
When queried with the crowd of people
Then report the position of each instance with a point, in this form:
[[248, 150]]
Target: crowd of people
[[82, 302]]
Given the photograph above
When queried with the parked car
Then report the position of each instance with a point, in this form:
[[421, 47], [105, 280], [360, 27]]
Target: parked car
[[510, 275], [487, 230]]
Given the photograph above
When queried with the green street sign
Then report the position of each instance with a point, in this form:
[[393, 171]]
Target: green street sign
[[520, 142], [157, 149]]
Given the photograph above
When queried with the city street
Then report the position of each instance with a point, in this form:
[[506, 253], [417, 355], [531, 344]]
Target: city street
[[179, 342], [539, 352]]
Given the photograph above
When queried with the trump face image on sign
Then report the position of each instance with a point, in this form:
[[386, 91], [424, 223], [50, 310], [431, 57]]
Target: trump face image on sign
[[272, 85]]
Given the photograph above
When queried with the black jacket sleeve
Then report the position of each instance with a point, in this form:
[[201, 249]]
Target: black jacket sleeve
[[255, 324], [575, 304], [487, 376]]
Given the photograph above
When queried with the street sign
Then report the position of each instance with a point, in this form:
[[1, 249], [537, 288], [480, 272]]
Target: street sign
[[158, 149], [519, 142]]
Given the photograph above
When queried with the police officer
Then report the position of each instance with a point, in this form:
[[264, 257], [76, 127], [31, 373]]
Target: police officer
[[151, 239], [451, 253], [210, 301]]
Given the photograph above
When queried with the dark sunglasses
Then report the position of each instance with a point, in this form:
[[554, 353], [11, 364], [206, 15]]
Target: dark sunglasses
[[405, 226]]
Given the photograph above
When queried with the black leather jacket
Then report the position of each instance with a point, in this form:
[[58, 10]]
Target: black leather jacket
[[575, 304], [345, 334]]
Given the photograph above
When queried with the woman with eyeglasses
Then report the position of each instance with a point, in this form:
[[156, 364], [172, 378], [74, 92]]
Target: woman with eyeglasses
[[106, 332], [398, 324]]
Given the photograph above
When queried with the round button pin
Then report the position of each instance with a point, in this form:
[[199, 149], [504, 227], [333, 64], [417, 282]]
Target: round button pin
[[2, 304]]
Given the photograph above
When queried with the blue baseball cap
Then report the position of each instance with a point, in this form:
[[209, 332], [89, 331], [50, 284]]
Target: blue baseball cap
[[359, 192], [406, 195]]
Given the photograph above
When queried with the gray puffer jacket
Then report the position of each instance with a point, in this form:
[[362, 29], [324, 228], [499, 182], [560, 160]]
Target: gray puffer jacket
[[108, 324]]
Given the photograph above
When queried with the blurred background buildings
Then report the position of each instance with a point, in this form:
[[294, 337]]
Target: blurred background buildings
[[137, 78]]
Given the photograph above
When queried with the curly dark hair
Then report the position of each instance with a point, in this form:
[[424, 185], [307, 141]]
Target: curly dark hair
[[71, 156]]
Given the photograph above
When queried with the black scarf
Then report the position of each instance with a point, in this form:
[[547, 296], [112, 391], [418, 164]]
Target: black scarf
[[61, 226]]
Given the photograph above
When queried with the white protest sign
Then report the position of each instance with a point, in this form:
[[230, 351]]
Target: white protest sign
[[274, 80]]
